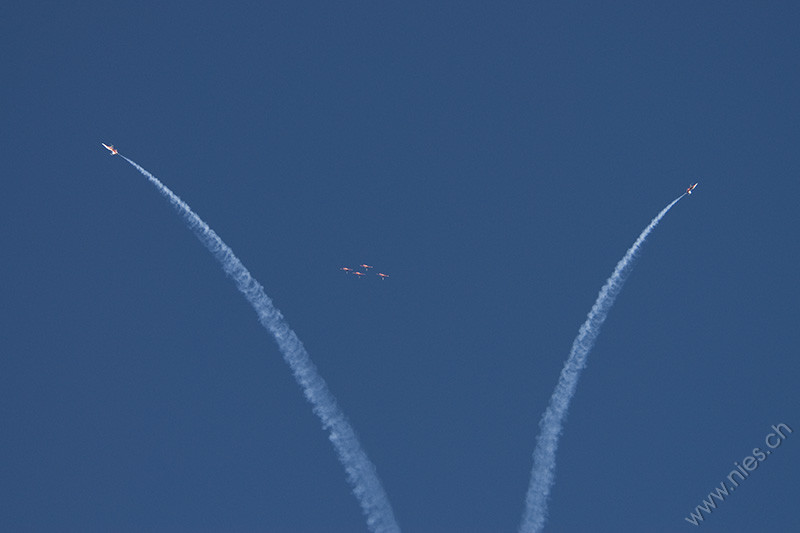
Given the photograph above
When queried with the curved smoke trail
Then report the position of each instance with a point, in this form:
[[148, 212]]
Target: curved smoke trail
[[544, 455], [360, 471]]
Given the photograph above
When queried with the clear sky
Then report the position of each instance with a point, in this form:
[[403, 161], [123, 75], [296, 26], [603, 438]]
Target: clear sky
[[496, 159]]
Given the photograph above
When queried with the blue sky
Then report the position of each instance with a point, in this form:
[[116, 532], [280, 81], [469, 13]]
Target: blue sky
[[496, 159]]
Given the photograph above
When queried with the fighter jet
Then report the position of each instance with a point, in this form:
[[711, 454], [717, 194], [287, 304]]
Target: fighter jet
[[111, 148], [346, 269], [366, 267], [383, 276], [691, 188], [359, 274]]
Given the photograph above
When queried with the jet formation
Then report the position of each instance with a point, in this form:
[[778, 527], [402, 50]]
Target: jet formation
[[111, 149], [359, 274]]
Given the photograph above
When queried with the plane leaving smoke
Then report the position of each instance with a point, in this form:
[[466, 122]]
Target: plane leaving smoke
[[360, 471], [551, 425]]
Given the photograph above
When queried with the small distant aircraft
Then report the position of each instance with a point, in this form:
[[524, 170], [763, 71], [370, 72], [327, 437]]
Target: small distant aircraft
[[359, 274], [366, 267], [111, 148], [691, 188], [383, 276], [346, 269]]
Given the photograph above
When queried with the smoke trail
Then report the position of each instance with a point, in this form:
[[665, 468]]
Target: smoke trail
[[360, 471], [544, 455]]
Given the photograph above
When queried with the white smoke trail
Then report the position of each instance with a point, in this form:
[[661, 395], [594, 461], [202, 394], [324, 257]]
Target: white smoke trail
[[360, 471], [551, 425]]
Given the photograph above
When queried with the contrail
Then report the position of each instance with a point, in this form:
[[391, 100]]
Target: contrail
[[544, 455], [360, 471]]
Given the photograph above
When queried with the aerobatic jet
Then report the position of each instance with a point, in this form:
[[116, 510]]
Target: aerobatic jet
[[111, 149], [691, 188]]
